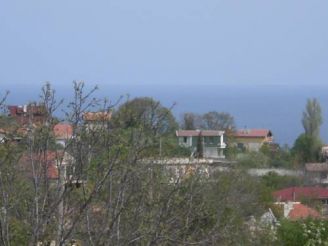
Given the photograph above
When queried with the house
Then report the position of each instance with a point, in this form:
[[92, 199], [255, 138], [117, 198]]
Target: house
[[62, 133], [94, 120], [296, 210], [26, 114], [252, 139], [316, 173], [212, 142], [45, 164], [299, 193]]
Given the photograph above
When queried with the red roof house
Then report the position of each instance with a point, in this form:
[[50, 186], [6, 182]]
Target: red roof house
[[253, 133], [252, 139], [299, 193]]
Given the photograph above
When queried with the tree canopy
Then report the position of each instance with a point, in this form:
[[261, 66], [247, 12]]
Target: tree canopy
[[212, 120], [147, 113], [312, 118]]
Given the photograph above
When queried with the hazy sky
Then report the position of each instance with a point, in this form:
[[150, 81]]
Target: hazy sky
[[158, 42]]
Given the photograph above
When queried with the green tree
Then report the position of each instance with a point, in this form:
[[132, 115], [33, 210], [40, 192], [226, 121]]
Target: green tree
[[306, 148], [312, 118], [147, 113]]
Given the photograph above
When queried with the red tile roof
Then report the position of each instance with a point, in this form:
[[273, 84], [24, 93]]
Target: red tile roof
[[297, 193], [253, 133], [63, 131], [301, 211], [194, 133]]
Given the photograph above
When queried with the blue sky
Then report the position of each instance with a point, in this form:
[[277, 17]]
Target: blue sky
[[162, 48]]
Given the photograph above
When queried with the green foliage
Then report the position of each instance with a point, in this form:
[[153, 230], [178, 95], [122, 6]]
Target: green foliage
[[308, 232], [171, 148], [19, 232], [253, 160], [312, 118], [278, 157], [306, 149], [147, 114], [273, 181], [290, 233]]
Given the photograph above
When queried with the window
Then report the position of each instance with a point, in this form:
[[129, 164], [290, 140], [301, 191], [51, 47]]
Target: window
[[185, 140], [211, 140]]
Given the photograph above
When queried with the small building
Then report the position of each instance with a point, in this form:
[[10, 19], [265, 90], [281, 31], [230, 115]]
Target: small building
[[26, 114], [96, 120], [212, 142], [252, 139], [316, 173]]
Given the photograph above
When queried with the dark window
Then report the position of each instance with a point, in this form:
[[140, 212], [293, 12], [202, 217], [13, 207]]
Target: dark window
[[240, 146]]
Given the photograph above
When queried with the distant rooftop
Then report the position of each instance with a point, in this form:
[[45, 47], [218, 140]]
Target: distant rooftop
[[97, 116], [298, 193], [63, 131], [194, 133], [253, 133]]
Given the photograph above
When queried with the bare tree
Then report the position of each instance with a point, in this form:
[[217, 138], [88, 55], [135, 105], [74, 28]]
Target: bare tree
[[108, 190]]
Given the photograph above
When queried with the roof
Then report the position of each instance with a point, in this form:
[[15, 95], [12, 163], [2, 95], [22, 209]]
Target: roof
[[97, 116], [300, 211], [63, 131], [253, 133], [194, 133], [316, 167], [298, 193]]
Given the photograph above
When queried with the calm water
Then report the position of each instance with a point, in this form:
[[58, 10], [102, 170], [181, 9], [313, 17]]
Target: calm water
[[277, 107]]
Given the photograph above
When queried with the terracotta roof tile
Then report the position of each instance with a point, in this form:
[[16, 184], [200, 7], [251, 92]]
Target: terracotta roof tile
[[301, 211], [253, 133], [63, 131], [298, 193]]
